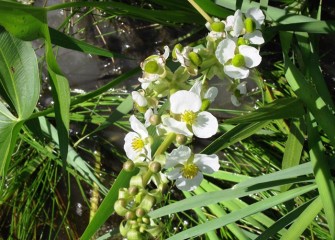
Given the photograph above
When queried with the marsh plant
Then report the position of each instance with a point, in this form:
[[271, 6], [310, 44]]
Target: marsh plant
[[191, 168]]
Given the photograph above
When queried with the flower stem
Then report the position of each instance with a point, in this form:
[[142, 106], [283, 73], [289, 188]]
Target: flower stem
[[165, 144], [202, 12]]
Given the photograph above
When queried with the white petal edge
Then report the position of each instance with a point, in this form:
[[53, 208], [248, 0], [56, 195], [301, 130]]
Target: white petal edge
[[236, 72], [207, 163], [251, 56], [138, 127], [178, 156], [235, 101], [206, 125], [189, 184], [196, 88], [130, 152], [211, 93], [139, 99], [225, 50], [184, 100], [257, 15], [256, 37], [177, 127]]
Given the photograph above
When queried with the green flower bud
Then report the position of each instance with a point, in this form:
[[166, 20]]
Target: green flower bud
[[250, 25], [181, 139], [146, 220], [217, 26], [155, 167], [140, 212], [205, 104], [128, 166], [134, 234], [179, 47], [141, 109], [151, 67], [238, 60], [147, 202], [120, 207], [195, 58], [155, 119], [130, 215], [241, 41], [133, 190]]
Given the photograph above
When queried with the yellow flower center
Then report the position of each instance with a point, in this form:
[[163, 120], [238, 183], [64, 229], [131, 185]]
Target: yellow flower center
[[189, 170], [189, 117], [137, 144]]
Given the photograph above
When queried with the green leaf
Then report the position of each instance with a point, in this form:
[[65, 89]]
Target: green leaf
[[107, 206], [239, 214], [19, 86], [278, 109], [18, 74]]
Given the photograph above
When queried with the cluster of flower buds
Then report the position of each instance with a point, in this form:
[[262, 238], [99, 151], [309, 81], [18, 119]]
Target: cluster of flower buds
[[173, 111]]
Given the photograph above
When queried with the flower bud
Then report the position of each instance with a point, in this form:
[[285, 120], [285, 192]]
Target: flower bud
[[147, 202], [250, 25], [140, 212], [128, 166], [155, 119], [120, 207], [134, 234], [151, 67], [155, 167], [217, 26], [179, 47], [146, 220], [133, 190], [195, 58], [241, 41], [181, 139], [130, 215], [238, 60]]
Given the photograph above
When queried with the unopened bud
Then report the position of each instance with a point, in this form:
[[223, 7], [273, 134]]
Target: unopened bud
[[140, 212], [130, 215], [155, 119], [134, 234], [128, 166], [217, 26], [250, 25], [195, 58], [147, 202], [241, 41], [155, 167], [181, 139], [133, 190]]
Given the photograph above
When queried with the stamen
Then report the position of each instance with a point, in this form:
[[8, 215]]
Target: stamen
[[189, 117], [189, 170], [137, 144]]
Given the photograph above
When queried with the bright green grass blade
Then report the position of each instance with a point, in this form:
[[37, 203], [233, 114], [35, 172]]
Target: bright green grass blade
[[293, 147], [323, 177], [213, 9], [235, 135], [227, 194], [302, 222], [107, 206], [311, 98], [60, 39], [228, 176], [322, 27], [283, 222], [236, 215], [278, 109]]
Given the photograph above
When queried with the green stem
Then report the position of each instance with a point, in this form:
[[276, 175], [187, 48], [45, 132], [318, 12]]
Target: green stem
[[165, 144]]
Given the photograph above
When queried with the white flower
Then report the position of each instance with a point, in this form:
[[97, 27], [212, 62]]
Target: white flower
[[187, 105], [256, 15], [139, 99], [216, 28], [235, 24], [154, 67], [185, 57], [253, 22], [188, 168], [237, 65], [210, 94], [137, 146]]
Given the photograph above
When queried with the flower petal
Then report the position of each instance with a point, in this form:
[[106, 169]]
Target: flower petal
[[147, 116], [184, 100], [255, 37], [238, 24], [251, 56], [185, 184], [205, 126], [242, 87], [225, 50], [174, 174], [257, 15], [211, 93], [138, 127], [235, 101], [176, 126], [178, 156], [236, 72], [139, 99], [130, 152], [207, 163], [196, 88]]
